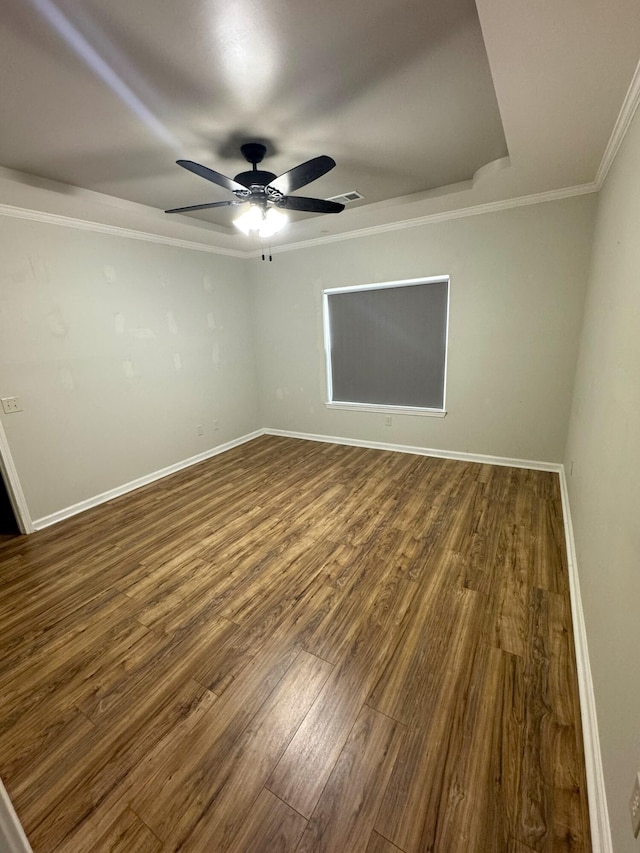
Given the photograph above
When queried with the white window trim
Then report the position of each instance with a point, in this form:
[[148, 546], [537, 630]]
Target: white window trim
[[387, 410], [374, 407]]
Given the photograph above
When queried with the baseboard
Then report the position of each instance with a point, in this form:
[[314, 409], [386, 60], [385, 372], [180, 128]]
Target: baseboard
[[69, 511], [96, 500], [12, 837], [598, 810], [555, 467]]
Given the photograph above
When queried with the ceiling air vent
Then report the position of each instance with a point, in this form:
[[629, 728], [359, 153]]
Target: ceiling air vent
[[347, 198]]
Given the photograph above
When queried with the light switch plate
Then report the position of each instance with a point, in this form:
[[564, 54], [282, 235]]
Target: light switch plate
[[10, 405]]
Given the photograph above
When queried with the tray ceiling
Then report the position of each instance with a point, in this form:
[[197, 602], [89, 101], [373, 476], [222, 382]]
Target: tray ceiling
[[413, 100]]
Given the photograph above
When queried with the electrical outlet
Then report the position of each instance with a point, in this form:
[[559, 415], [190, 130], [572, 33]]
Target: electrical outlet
[[200, 429], [634, 807], [388, 420], [10, 405], [216, 424]]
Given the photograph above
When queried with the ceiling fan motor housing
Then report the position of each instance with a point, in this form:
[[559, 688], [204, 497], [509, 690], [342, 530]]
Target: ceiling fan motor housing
[[256, 177], [253, 152]]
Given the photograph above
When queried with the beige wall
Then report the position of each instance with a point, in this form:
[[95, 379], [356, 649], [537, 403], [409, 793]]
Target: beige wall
[[118, 349], [517, 288], [604, 448]]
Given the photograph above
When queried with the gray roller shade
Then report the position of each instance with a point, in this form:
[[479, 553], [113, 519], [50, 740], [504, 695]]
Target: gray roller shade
[[388, 345]]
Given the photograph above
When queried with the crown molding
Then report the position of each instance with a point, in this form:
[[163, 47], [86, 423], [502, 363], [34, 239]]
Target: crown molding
[[620, 128], [114, 230], [627, 112], [400, 225], [457, 213]]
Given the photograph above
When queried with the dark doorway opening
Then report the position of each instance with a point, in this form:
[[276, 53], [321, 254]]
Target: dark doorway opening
[[8, 522]]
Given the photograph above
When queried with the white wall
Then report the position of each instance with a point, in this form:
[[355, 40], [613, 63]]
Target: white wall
[[118, 349], [517, 288], [604, 448]]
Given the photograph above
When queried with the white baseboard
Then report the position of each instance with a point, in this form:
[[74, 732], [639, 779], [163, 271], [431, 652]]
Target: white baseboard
[[12, 837], [67, 512], [96, 500], [598, 810], [555, 467]]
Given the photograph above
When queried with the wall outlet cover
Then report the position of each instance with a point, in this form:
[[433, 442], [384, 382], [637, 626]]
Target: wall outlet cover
[[11, 405]]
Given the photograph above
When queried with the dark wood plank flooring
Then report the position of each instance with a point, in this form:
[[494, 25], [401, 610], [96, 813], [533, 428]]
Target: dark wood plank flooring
[[297, 647]]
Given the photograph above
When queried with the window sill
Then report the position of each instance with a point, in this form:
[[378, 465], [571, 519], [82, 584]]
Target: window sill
[[388, 410]]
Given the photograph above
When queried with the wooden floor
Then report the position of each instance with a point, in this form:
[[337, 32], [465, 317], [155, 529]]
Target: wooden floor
[[297, 647]]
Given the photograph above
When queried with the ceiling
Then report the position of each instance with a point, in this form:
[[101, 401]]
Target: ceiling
[[426, 105]]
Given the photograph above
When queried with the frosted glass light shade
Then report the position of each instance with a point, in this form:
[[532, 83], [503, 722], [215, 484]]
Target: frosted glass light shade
[[250, 220], [266, 223], [273, 222]]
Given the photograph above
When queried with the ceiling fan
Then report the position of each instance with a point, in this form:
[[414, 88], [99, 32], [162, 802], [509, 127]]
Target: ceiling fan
[[267, 194]]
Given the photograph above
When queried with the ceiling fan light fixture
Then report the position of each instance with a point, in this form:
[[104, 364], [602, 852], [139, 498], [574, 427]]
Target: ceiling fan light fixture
[[266, 223], [250, 220], [273, 222]]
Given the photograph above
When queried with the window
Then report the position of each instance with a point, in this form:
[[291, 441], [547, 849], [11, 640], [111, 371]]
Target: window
[[386, 346]]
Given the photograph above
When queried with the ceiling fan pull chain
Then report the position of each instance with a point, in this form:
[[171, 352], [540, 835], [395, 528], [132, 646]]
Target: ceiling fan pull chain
[[266, 250]]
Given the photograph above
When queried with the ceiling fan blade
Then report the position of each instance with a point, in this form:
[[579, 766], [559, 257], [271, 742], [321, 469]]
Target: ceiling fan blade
[[210, 175], [303, 174], [202, 206], [313, 205]]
